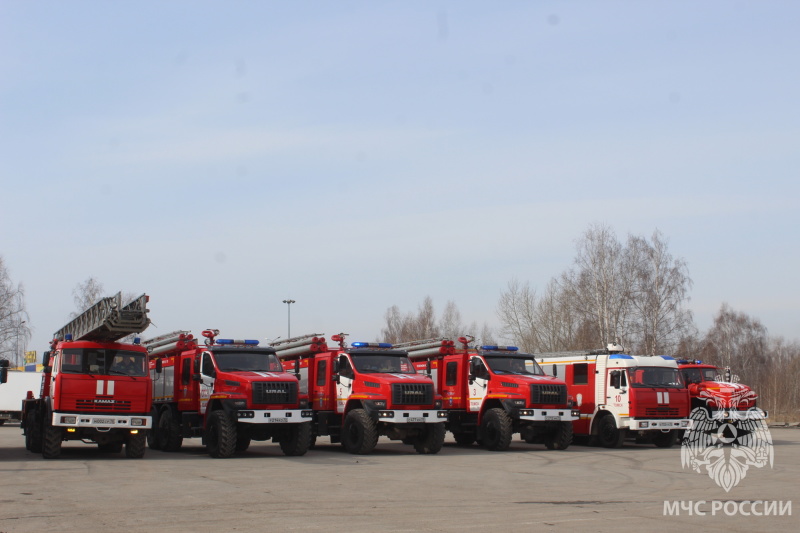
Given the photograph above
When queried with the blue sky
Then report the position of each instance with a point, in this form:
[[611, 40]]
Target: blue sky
[[224, 156]]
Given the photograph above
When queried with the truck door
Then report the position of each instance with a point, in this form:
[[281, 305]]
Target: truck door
[[618, 391], [344, 388], [208, 375], [478, 384]]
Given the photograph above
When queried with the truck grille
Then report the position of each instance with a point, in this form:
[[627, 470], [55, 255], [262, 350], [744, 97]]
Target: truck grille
[[103, 405], [412, 393], [275, 392], [549, 394], [661, 412]]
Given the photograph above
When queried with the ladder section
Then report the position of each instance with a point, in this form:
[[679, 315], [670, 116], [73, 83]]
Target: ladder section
[[108, 320]]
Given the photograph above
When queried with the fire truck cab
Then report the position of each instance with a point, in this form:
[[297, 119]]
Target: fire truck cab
[[719, 392]]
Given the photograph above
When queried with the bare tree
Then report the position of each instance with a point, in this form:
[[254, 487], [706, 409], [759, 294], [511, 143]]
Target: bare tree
[[598, 286], [85, 295], [14, 329], [424, 325], [660, 289], [517, 313]]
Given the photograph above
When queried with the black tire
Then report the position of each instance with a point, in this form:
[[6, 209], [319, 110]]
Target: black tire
[[359, 434], [51, 441], [666, 440], [168, 434], [221, 435], [464, 438], [608, 434], [135, 446], [496, 430], [33, 433], [298, 440], [152, 433], [431, 440], [110, 447], [561, 438]]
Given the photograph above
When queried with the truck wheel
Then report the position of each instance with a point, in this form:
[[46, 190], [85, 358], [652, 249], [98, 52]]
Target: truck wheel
[[51, 441], [608, 434], [496, 430], [561, 438], [298, 440], [431, 440], [135, 446], [169, 432], [33, 433], [666, 440], [152, 433], [221, 435], [359, 434]]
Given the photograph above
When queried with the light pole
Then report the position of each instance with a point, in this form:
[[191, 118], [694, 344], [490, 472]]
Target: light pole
[[289, 317], [16, 344]]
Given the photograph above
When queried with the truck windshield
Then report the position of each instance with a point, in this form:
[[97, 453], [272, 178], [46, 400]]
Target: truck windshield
[[383, 363], [655, 376], [698, 375], [98, 361], [514, 365], [247, 361]]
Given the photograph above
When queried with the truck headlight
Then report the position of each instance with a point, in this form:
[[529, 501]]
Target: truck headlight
[[644, 425], [69, 419], [138, 422]]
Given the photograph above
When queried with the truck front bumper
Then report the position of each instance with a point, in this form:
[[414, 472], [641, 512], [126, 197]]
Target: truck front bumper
[[548, 415], [102, 422], [274, 416], [394, 416], [659, 424]]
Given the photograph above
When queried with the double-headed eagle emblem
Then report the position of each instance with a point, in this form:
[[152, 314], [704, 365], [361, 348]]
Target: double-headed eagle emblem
[[724, 440]]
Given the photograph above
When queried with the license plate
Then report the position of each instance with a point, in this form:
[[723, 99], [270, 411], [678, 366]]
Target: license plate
[[552, 418], [279, 420], [416, 419], [103, 421]]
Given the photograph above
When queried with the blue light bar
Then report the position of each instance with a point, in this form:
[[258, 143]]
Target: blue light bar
[[248, 342], [668, 357], [137, 340], [372, 345], [495, 348], [68, 337], [620, 356]]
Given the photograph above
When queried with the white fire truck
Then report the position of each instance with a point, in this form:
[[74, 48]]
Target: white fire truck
[[623, 396]]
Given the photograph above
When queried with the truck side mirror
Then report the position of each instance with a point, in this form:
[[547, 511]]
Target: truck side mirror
[[3, 371], [428, 367], [159, 366], [335, 371], [46, 358]]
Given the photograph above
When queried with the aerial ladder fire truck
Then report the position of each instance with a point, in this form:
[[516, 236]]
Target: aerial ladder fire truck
[[95, 388], [492, 392], [623, 396], [227, 392], [364, 391]]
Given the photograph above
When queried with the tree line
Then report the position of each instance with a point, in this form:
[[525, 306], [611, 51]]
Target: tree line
[[633, 293]]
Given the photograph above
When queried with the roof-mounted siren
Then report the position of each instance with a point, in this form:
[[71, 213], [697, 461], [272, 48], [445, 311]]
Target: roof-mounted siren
[[496, 348], [381, 345], [615, 347], [209, 334]]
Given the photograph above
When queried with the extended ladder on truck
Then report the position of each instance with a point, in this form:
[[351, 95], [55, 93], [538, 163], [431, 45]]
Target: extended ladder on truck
[[108, 320]]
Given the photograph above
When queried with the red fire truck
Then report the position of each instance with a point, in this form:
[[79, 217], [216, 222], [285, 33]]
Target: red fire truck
[[361, 392], [492, 392], [93, 388], [719, 393], [227, 392], [621, 395]]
